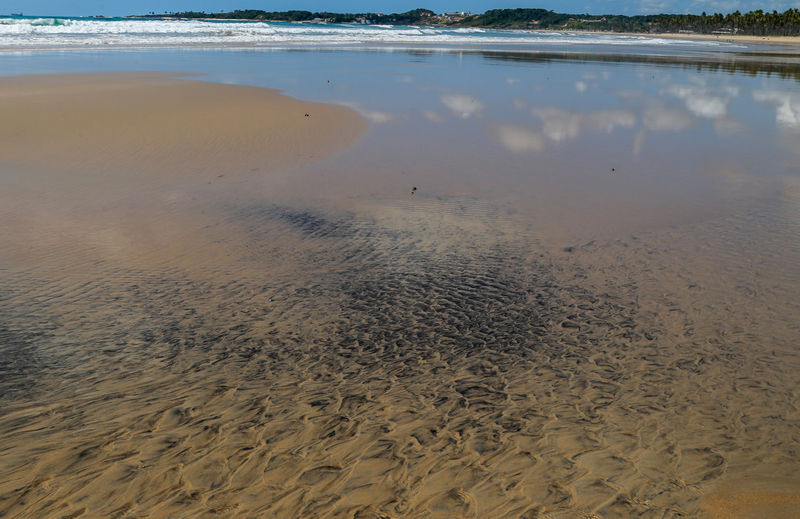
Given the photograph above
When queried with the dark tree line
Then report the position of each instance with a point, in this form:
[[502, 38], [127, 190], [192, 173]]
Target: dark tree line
[[414, 17], [755, 23]]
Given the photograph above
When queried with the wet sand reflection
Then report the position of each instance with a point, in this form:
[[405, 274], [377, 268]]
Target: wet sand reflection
[[318, 342]]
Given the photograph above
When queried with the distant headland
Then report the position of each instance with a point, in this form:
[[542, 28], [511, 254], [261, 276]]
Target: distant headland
[[753, 23]]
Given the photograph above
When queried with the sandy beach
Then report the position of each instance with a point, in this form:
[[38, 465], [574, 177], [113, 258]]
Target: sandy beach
[[131, 146], [181, 340], [789, 41], [154, 121]]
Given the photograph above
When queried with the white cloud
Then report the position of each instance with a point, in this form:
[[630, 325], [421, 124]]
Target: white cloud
[[787, 106], [371, 115], [377, 117], [561, 125], [462, 105], [517, 139], [707, 106], [711, 103]]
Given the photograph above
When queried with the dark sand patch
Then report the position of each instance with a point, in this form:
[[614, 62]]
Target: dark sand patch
[[364, 380]]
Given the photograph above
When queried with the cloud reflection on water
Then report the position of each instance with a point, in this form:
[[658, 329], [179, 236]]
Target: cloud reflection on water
[[462, 105], [432, 116], [558, 125], [710, 103], [561, 125], [787, 106], [518, 139], [659, 118], [373, 116]]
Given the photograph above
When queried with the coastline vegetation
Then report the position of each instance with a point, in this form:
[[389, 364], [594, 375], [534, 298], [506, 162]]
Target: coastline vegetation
[[753, 23]]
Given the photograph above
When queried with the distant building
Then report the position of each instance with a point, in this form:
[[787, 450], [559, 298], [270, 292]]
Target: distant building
[[456, 16]]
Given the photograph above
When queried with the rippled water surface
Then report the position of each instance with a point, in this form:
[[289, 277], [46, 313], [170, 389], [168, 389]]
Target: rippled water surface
[[586, 308]]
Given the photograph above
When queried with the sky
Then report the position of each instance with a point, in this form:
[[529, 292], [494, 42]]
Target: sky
[[127, 7]]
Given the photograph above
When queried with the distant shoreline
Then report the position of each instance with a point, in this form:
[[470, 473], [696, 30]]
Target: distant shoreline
[[789, 45], [791, 41], [726, 38], [754, 23]]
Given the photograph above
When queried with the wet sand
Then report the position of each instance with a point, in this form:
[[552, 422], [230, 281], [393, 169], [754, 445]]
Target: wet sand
[[111, 161], [194, 345], [108, 124], [787, 41]]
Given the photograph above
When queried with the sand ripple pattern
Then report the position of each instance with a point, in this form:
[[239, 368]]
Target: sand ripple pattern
[[381, 374]]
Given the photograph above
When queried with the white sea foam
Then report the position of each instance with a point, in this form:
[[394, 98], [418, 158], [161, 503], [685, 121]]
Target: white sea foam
[[57, 32]]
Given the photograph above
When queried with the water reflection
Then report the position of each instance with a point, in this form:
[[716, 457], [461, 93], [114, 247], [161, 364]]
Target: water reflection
[[591, 296], [561, 125], [462, 105], [704, 101], [787, 106], [517, 139], [470, 121], [673, 130], [373, 116], [784, 66], [432, 116], [660, 118]]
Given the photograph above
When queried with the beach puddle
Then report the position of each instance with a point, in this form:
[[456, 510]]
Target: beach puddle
[[321, 340]]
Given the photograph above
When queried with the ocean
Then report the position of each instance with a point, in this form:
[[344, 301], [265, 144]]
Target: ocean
[[66, 32]]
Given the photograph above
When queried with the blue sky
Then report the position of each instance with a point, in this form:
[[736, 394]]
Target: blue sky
[[125, 7]]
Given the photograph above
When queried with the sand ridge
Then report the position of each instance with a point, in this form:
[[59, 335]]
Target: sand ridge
[[150, 126], [114, 162]]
